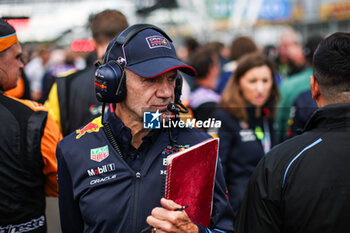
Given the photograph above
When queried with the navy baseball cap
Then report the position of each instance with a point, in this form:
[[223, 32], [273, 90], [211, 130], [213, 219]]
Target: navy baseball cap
[[148, 54]]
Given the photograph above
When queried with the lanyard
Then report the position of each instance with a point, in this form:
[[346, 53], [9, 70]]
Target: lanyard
[[264, 136]]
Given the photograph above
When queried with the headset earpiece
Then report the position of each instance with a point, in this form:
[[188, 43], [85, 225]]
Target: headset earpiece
[[110, 84]]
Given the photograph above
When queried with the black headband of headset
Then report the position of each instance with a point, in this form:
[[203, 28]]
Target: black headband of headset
[[126, 35], [130, 32]]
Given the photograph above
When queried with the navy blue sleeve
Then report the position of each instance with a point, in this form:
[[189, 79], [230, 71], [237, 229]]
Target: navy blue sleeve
[[227, 137], [71, 221], [230, 154], [240, 151], [237, 176]]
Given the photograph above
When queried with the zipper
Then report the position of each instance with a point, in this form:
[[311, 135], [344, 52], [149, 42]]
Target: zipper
[[136, 197]]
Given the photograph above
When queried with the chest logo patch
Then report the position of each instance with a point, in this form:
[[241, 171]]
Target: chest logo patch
[[89, 128], [247, 135], [99, 154]]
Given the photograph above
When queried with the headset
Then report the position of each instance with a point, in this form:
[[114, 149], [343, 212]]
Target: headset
[[110, 80]]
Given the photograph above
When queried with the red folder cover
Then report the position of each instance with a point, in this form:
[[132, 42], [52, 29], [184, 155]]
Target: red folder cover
[[190, 179]]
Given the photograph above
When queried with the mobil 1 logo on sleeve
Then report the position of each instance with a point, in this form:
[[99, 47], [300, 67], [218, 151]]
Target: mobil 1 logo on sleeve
[[101, 169]]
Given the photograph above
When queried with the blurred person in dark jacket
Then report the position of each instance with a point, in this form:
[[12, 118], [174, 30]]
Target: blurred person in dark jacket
[[188, 47], [304, 106], [204, 99], [302, 185], [247, 108], [221, 50], [72, 100]]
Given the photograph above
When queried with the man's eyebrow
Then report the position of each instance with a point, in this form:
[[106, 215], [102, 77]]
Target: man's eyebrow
[[172, 74]]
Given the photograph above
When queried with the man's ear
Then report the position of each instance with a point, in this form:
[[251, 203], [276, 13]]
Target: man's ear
[[94, 43], [315, 88]]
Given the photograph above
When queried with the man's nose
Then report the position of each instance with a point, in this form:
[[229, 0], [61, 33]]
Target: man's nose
[[165, 90], [21, 65]]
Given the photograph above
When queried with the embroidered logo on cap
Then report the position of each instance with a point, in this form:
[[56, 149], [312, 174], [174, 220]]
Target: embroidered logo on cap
[[157, 42], [99, 154]]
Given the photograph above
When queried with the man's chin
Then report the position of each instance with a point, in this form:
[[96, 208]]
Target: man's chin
[[162, 109]]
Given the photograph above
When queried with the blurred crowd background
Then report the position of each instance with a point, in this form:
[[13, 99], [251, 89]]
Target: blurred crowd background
[[211, 35], [56, 37]]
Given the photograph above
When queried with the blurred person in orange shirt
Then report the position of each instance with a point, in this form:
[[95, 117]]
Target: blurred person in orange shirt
[[29, 137]]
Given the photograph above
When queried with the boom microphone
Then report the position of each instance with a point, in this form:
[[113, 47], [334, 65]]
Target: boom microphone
[[173, 108], [177, 107]]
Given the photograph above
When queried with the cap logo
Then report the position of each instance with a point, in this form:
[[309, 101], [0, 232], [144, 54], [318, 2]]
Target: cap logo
[[157, 42]]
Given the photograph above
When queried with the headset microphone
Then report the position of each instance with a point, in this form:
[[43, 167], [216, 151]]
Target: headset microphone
[[172, 107], [177, 106]]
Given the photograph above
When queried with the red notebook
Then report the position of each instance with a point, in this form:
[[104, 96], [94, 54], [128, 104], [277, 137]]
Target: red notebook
[[190, 179]]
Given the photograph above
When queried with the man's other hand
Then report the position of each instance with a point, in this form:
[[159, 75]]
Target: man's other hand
[[168, 219]]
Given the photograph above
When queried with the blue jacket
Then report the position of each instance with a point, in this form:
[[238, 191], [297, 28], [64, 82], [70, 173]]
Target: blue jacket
[[302, 185], [241, 148], [99, 191]]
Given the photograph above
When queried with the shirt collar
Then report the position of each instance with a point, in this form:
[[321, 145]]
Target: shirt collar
[[330, 116]]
